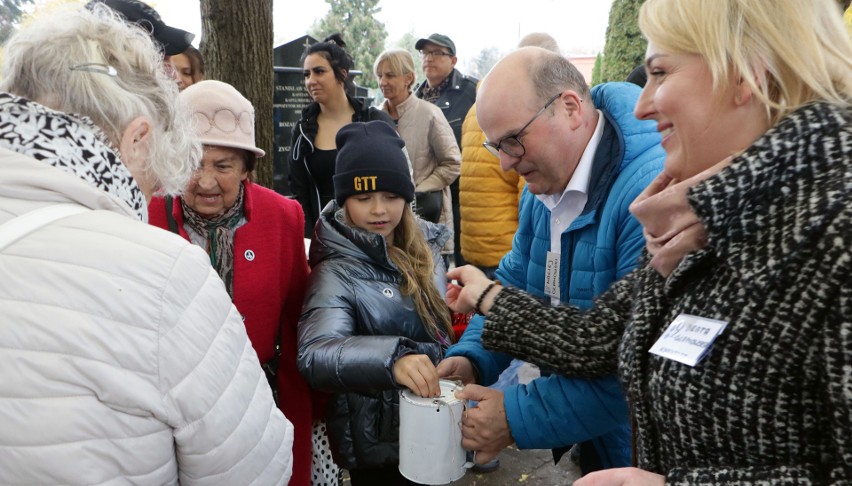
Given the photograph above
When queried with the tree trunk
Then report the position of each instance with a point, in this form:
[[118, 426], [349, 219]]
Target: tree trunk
[[237, 49]]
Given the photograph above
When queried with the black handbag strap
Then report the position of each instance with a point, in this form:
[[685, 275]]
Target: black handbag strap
[[170, 218]]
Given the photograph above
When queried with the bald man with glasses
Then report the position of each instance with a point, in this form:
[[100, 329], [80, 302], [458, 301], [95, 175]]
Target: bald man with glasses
[[584, 157]]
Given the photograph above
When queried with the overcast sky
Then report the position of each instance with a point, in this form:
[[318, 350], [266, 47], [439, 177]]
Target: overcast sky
[[578, 25]]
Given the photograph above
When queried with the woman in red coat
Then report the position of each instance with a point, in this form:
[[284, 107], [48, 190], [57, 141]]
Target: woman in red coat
[[254, 239]]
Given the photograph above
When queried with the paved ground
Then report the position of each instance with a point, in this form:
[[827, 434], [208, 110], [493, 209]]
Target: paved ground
[[525, 468]]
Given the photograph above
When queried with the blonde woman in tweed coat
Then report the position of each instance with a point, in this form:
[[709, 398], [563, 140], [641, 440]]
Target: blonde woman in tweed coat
[[749, 260]]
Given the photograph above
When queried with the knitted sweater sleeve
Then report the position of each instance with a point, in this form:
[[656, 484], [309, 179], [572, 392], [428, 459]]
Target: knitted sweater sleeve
[[836, 338], [565, 339]]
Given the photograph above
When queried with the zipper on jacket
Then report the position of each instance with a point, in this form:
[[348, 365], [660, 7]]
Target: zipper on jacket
[[307, 169]]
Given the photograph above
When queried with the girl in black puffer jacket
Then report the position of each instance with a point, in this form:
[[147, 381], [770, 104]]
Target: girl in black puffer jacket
[[374, 319]]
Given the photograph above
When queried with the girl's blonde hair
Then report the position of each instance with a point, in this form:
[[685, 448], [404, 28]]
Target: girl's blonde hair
[[412, 256], [790, 52]]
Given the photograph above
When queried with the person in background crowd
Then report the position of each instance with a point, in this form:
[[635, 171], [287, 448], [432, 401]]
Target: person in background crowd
[[732, 338], [428, 137], [373, 319], [171, 40], [584, 158], [254, 239], [189, 67], [452, 92], [313, 152], [638, 76], [488, 195], [124, 360]]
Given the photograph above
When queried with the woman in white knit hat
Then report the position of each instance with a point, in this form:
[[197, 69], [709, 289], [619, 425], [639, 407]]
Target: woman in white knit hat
[[254, 239]]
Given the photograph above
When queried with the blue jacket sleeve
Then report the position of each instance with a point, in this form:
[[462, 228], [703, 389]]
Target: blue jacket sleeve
[[514, 266], [489, 364], [553, 411], [511, 272]]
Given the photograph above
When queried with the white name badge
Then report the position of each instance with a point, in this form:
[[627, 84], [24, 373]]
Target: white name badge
[[688, 339], [551, 275]]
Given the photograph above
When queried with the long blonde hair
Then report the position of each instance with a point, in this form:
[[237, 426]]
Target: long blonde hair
[[411, 254], [790, 52]]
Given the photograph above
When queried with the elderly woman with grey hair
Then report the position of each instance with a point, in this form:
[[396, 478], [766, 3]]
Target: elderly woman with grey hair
[[124, 359]]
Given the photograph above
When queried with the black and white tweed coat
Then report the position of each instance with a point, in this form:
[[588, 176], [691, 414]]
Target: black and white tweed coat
[[772, 401]]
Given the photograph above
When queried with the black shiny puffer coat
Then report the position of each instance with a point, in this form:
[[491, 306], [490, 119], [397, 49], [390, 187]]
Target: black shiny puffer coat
[[355, 324]]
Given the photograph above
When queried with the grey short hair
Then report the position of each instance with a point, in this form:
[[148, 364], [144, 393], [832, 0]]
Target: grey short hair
[[540, 39], [38, 66], [552, 73]]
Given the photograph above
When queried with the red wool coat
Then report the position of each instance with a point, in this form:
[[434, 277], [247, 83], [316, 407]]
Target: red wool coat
[[270, 274]]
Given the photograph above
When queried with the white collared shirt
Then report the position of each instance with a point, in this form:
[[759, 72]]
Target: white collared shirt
[[565, 207]]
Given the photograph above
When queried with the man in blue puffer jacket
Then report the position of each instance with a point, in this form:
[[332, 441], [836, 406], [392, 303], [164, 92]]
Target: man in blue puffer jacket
[[585, 157]]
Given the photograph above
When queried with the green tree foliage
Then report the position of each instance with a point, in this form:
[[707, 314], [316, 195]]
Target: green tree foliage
[[407, 42], [625, 46], [10, 14], [364, 35], [596, 70]]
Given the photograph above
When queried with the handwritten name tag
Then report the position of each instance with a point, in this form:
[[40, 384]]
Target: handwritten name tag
[[688, 339], [551, 276]]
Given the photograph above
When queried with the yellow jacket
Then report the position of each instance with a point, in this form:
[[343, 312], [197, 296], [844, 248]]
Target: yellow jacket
[[488, 199], [847, 17]]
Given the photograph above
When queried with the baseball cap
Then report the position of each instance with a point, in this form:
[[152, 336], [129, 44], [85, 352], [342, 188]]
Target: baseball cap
[[439, 39], [172, 40]]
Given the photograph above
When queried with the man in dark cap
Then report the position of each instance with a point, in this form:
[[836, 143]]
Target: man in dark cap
[[454, 93], [171, 40]]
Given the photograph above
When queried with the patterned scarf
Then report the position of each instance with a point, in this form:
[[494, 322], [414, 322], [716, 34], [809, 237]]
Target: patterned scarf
[[72, 143], [432, 94], [220, 236]]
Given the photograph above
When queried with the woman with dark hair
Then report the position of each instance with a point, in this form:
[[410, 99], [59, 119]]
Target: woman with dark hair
[[327, 66]]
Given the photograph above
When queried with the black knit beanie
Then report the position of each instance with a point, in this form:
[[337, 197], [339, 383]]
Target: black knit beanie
[[370, 159]]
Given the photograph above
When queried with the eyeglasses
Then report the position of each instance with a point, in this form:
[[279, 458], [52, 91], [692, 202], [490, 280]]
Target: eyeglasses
[[434, 53], [512, 145]]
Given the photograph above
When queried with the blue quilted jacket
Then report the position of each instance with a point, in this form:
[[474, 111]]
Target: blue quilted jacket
[[601, 246]]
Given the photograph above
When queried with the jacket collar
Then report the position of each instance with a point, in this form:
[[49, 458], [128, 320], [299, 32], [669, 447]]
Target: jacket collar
[[406, 105], [70, 143], [784, 191], [248, 205], [454, 84]]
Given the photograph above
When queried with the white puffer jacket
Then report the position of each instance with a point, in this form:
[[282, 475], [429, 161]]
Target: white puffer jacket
[[122, 358]]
